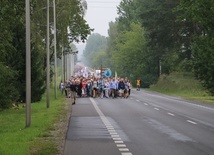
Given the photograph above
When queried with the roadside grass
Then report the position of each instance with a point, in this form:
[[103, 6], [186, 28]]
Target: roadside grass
[[18, 140], [183, 85]]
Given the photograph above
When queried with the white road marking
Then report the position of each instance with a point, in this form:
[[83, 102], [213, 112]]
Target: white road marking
[[115, 136], [145, 104], [156, 108], [113, 133], [137, 100], [123, 149], [186, 102], [128, 153], [117, 140], [121, 145], [170, 114], [191, 122], [110, 128]]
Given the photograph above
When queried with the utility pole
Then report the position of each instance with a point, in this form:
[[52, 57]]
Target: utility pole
[[160, 68], [28, 66], [72, 64], [55, 57], [64, 67], [101, 69], [48, 60], [62, 71]]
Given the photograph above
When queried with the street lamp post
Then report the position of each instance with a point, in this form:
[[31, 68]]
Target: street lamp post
[[55, 56], [62, 64], [73, 62], [28, 66], [48, 60]]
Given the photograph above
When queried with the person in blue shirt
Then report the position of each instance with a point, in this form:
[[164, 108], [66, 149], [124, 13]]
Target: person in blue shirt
[[113, 87]]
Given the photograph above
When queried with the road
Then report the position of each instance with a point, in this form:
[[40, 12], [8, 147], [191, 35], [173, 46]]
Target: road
[[146, 123]]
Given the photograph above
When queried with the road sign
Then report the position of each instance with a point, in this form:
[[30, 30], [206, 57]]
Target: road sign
[[107, 73]]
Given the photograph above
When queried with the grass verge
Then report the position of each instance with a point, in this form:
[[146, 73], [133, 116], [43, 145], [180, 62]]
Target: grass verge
[[183, 85], [42, 137]]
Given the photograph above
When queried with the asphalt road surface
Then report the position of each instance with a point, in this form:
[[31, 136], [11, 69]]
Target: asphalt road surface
[[146, 123]]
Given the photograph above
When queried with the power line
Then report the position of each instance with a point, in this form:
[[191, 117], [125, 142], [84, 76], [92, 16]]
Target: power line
[[103, 2], [100, 7]]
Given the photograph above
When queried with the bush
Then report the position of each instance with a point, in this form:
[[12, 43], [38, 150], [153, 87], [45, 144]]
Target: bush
[[8, 93]]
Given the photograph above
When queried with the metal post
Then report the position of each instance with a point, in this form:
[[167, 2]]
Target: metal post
[[69, 66], [48, 60], [64, 67], [28, 66], [160, 69], [55, 57], [62, 71], [101, 69], [72, 65]]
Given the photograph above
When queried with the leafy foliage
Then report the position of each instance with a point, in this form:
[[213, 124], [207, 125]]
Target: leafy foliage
[[95, 44], [203, 61], [8, 90], [201, 14], [71, 27], [131, 53]]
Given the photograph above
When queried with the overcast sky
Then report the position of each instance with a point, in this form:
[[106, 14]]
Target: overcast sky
[[98, 16], [100, 13]]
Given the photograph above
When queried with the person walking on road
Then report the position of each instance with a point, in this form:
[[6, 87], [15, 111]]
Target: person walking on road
[[62, 86], [101, 87], [138, 83], [73, 88], [106, 88], [95, 87], [113, 87], [121, 88]]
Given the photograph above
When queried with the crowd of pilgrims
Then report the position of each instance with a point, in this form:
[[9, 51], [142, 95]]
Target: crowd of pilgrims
[[96, 87]]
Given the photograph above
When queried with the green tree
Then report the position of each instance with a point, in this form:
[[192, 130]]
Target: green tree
[[131, 58], [127, 11], [8, 92], [162, 30], [95, 44], [12, 42], [201, 15], [111, 44], [11, 49]]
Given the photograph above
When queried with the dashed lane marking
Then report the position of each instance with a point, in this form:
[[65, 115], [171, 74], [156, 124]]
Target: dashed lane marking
[[113, 136], [170, 114], [121, 145], [113, 133], [191, 122], [123, 149], [126, 153], [117, 140]]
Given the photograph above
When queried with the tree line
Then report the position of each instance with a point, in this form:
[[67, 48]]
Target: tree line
[[154, 37], [70, 27]]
